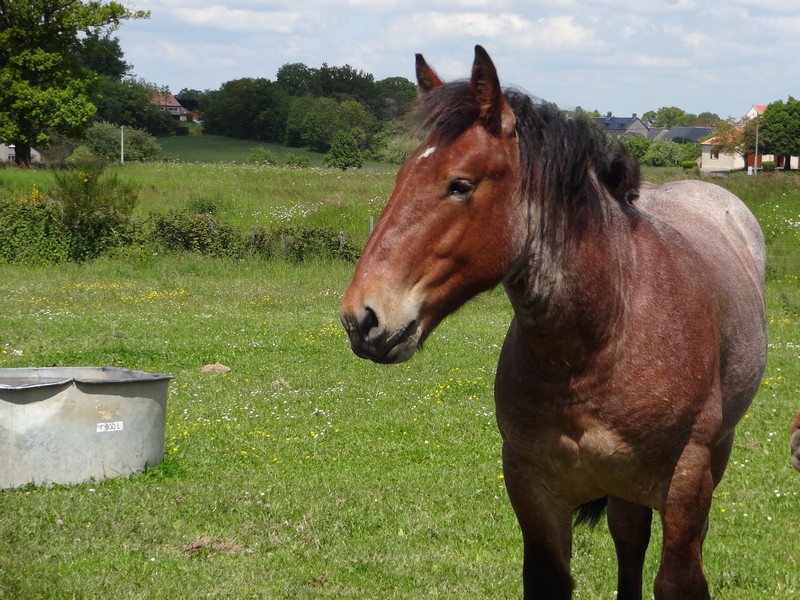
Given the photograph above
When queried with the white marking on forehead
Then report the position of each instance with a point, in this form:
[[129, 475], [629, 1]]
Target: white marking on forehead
[[427, 153]]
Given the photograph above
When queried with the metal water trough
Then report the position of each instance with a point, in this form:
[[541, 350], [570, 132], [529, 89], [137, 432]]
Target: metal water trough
[[72, 424]]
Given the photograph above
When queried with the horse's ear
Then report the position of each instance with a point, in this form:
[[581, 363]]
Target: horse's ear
[[427, 79], [495, 112]]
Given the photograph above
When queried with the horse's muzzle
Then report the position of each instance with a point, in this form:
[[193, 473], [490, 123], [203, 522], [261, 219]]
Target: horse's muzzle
[[371, 338]]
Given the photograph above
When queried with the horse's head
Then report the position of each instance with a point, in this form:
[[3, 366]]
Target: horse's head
[[454, 225]]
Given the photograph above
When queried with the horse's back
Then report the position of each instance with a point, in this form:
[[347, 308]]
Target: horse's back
[[725, 236], [709, 215]]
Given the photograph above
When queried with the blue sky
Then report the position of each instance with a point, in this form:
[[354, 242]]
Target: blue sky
[[622, 56]]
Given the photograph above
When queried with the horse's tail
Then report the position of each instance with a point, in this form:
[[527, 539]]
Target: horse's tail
[[591, 512]]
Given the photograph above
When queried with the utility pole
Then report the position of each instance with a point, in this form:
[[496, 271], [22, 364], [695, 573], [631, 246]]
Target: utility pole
[[755, 156]]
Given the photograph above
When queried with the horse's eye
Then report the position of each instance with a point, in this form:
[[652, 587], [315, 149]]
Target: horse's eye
[[460, 189]]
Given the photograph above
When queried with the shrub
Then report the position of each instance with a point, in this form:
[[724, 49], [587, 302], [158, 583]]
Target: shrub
[[688, 165], [86, 213], [104, 139], [768, 166], [261, 156], [94, 207], [300, 242], [30, 231], [662, 153], [82, 155], [637, 146], [299, 162], [195, 232], [344, 152], [691, 151], [205, 204]]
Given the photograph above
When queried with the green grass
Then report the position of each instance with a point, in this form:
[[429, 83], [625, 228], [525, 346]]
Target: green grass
[[217, 148], [316, 473]]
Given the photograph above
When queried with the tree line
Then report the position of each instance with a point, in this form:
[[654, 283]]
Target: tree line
[[61, 70], [304, 106]]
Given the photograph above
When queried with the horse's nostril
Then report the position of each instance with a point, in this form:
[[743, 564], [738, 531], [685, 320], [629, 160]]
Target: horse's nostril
[[369, 321]]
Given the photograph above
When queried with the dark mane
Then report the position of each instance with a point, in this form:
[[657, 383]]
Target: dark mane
[[564, 159]]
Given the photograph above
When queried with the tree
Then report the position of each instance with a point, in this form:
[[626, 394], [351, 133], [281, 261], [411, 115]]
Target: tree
[[103, 55], [589, 114], [247, 108], [346, 83], [780, 126], [352, 116], [319, 124], [398, 95], [298, 80], [299, 107], [128, 102], [668, 116], [736, 137], [706, 119], [44, 85], [191, 100]]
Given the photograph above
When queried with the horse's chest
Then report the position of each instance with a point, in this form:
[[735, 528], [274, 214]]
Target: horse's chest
[[575, 457], [578, 450]]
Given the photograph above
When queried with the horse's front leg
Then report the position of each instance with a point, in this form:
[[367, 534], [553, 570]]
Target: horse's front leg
[[546, 531], [629, 525], [685, 519]]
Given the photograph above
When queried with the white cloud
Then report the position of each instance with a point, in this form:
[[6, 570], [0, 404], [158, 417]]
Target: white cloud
[[620, 55], [237, 19], [508, 28]]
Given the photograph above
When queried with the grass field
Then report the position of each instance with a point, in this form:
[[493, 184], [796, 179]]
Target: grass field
[[305, 472], [216, 148]]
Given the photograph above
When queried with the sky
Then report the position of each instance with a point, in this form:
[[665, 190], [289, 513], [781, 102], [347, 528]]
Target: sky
[[618, 56]]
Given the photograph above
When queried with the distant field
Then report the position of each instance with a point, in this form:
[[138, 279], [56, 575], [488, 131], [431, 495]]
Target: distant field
[[216, 148]]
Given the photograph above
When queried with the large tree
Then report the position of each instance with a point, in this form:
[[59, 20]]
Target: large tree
[[247, 108], [781, 129], [737, 137], [668, 116], [44, 83]]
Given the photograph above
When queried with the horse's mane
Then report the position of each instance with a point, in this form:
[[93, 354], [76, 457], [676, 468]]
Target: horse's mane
[[564, 159]]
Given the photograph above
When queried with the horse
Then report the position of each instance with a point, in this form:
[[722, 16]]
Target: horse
[[794, 442], [638, 337]]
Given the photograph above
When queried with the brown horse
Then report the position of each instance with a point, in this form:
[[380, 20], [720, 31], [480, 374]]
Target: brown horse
[[638, 339], [794, 442]]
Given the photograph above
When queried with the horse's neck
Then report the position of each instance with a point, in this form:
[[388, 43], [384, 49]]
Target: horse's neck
[[568, 303]]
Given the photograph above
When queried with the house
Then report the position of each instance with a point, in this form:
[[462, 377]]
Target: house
[[755, 111], [713, 159], [167, 102], [8, 153], [620, 126], [680, 134]]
